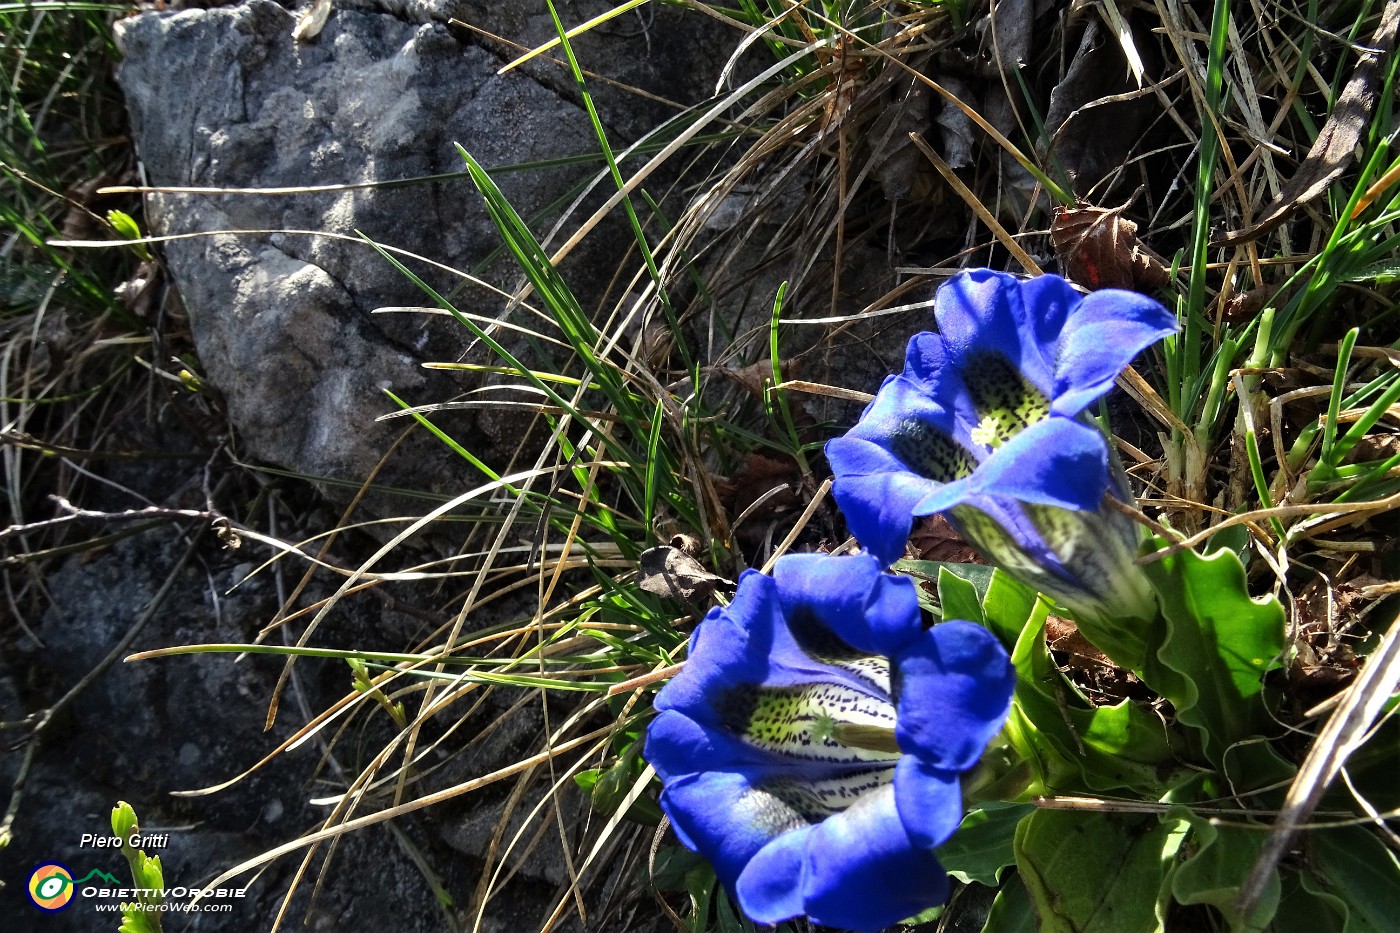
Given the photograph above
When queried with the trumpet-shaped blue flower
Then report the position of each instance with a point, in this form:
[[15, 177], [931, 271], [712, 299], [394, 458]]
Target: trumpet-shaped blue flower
[[985, 424], [811, 746]]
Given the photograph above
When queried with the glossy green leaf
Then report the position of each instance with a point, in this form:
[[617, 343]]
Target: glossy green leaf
[[124, 224], [702, 885], [1037, 727], [1372, 769], [1218, 861], [1097, 872], [958, 597], [1106, 748], [1012, 911], [984, 843], [1306, 908], [607, 789], [1353, 864], [1233, 538], [923, 916], [1219, 643], [1043, 768], [152, 875], [1251, 765], [1007, 606], [728, 919], [667, 871], [979, 575]]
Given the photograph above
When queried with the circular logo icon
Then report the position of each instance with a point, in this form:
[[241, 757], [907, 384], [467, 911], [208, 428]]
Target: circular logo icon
[[51, 886]]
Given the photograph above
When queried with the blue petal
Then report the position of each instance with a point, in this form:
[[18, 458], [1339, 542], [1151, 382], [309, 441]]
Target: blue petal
[[926, 365], [871, 611], [776, 743], [1069, 345], [1051, 304], [749, 642], [769, 889], [1058, 462], [905, 410], [795, 735], [720, 814], [953, 690], [1100, 340], [858, 870], [771, 676], [877, 494], [677, 745], [932, 388], [731, 644], [727, 800], [984, 311], [929, 800]]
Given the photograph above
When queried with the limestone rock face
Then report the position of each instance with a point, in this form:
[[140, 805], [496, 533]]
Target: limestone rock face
[[280, 288]]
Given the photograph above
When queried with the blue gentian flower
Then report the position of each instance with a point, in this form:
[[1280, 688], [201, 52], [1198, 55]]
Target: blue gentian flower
[[812, 744], [986, 424]]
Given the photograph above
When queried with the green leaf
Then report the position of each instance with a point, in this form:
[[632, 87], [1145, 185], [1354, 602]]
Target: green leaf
[[1219, 643], [924, 916], [1384, 271], [123, 820], [124, 224], [1037, 727], [1007, 606], [1250, 765], [1372, 769], [1305, 908], [1219, 861], [1044, 768], [927, 571], [979, 575], [1079, 747], [1108, 747], [700, 884], [669, 869], [135, 922], [1097, 872], [984, 843], [1125, 745], [728, 918], [127, 228], [607, 789], [958, 596], [1233, 538], [1012, 911], [1357, 867], [147, 872]]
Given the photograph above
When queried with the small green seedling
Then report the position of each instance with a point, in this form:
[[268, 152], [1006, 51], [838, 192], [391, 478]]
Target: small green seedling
[[142, 915], [126, 227]]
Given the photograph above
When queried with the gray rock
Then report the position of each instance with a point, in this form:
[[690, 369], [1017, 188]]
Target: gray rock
[[226, 98], [141, 730]]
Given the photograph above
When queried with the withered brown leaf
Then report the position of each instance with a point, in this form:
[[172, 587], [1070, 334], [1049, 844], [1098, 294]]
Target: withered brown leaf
[[934, 539], [669, 571], [1098, 248]]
